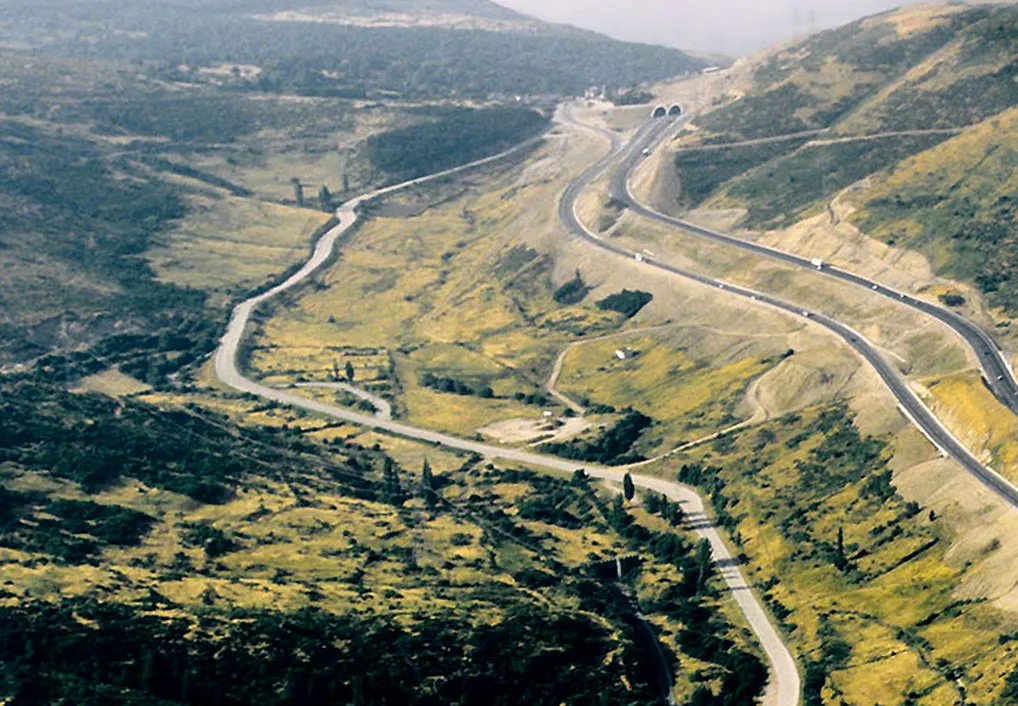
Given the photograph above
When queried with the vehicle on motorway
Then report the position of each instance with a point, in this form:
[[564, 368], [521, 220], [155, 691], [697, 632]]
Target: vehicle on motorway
[[817, 263], [646, 152]]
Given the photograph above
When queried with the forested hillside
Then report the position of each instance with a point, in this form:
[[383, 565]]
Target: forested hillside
[[343, 59], [189, 561]]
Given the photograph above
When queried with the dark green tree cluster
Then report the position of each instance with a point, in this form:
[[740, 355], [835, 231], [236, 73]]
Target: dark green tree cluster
[[95, 654], [96, 442], [657, 504], [709, 479], [572, 292], [451, 385], [212, 540], [704, 637], [462, 136], [614, 446], [71, 531], [627, 302], [301, 57]]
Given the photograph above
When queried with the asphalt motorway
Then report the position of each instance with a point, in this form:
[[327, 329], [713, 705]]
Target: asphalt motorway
[[996, 371], [784, 686], [909, 403]]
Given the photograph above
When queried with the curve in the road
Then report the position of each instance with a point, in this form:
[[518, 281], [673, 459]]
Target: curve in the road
[[996, 370], [382, 406], [914, 408], [784, 685]]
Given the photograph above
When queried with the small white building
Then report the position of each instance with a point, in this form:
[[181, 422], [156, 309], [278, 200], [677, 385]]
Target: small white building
[[626, 353]]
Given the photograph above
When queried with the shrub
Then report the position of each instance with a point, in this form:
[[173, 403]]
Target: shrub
[[627, 302]]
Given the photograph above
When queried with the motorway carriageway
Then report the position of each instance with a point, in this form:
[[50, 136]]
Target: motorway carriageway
[[909, 403]]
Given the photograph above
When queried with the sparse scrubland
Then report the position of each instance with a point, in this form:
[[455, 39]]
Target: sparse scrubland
[[165, 541], [316, 550]]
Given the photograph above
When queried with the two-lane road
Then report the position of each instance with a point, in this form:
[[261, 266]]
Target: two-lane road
[[783, 688]]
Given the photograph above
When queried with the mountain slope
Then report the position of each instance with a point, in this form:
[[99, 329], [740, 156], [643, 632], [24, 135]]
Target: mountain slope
[[904, 81], [957, 204], [432, 48]]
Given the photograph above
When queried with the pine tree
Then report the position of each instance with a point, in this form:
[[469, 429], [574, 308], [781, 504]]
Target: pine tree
[[349, 371], [428, 485], [393, 489], [704, 564], [628, 489], [298, 191], [325, 197], [840, 560]]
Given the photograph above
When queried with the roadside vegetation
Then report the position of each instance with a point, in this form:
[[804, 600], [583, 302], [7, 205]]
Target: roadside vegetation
[[857, 577], [458, 136]]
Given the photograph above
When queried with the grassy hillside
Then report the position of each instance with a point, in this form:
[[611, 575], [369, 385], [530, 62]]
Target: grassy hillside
[[957, 204], [149, 209], [868, 66], [860, 580], [910, 76]]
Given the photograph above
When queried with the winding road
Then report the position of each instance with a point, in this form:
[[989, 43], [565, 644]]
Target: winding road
[[783, 688], [912, 407], [996, 370]]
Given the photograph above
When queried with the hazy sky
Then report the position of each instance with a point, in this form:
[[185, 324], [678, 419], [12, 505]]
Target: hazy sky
[[729, 26]]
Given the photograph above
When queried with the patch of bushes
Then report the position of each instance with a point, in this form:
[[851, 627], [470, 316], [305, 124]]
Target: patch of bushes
[[612, 447], [72, 531], [453, 386], [204, 535], [95, 654], [633, 97], [572, 292], [781, 191], [628, 303], [458, 138]]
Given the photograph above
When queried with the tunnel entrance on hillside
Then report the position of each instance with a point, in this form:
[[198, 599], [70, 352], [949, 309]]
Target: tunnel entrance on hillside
[[675, 110], [660, 111]]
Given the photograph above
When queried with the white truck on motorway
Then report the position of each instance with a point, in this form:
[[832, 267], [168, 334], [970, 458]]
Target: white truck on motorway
[[817, 263]]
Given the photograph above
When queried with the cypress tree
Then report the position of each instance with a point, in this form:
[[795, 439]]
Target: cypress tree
[[628, 489], [704, 566]]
